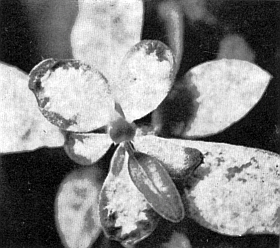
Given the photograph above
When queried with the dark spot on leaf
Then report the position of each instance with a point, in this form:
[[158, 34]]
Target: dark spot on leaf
[[26, 135], [89, 221], [277, 221], [234, 170], [277, 191], [242, 180], [116, 20], [81, 192], [220, 160], [76, 206]]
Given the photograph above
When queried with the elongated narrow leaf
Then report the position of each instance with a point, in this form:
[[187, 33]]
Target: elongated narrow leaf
[[154, 182], [104, 31], [76, 208], [71, 95], [146, 77], [22, 126], [86, 148], [235, 191], [211, 97], [173, 17], [124, 212], [177, 157]]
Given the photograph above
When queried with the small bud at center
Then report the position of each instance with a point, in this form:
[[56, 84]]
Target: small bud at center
[[120, 130]]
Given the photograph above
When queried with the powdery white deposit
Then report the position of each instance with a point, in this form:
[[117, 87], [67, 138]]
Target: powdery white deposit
[[244, 191], [145, 80], [79, 95], [91, 146], [126, 200]]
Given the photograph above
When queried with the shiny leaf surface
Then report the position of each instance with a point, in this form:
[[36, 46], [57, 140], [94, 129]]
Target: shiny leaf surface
[[154, 182]]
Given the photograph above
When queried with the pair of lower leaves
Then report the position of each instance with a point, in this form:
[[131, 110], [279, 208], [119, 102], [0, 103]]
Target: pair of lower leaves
[[137, 192]]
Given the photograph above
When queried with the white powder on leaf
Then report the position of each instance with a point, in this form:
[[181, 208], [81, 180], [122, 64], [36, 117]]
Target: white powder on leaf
[[126, 200], [91, 146], [80, 95], [145, 80], [244, 191]]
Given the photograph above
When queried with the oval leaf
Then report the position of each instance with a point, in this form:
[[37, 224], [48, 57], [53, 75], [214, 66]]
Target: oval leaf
[[76, 209], [179, 166], [104, 31], [211, 97], [237, 191], [22, 127], [86, 148], [124, 212], [146, 76], [71, 95], [153, 181]]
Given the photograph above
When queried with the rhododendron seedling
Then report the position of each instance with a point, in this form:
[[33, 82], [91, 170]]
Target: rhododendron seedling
[[138, 188], [78, 99], [96, 101]]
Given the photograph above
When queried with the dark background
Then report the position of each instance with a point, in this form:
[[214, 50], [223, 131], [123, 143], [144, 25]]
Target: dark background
[[33, 30]]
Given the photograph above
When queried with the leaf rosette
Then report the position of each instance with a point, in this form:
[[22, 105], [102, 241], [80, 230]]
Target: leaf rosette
[[96, 100]]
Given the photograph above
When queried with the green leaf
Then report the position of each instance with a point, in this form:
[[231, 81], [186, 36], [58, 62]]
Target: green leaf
[[104, 31], [22, 127], [76, 208], [86, 148], [71, 95], [125, 214], [154, 182], [211, 97], [146, 77]]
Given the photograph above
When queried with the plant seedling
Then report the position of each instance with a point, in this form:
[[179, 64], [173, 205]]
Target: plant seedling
[[143, 163], [151, 182], [94, 113]]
